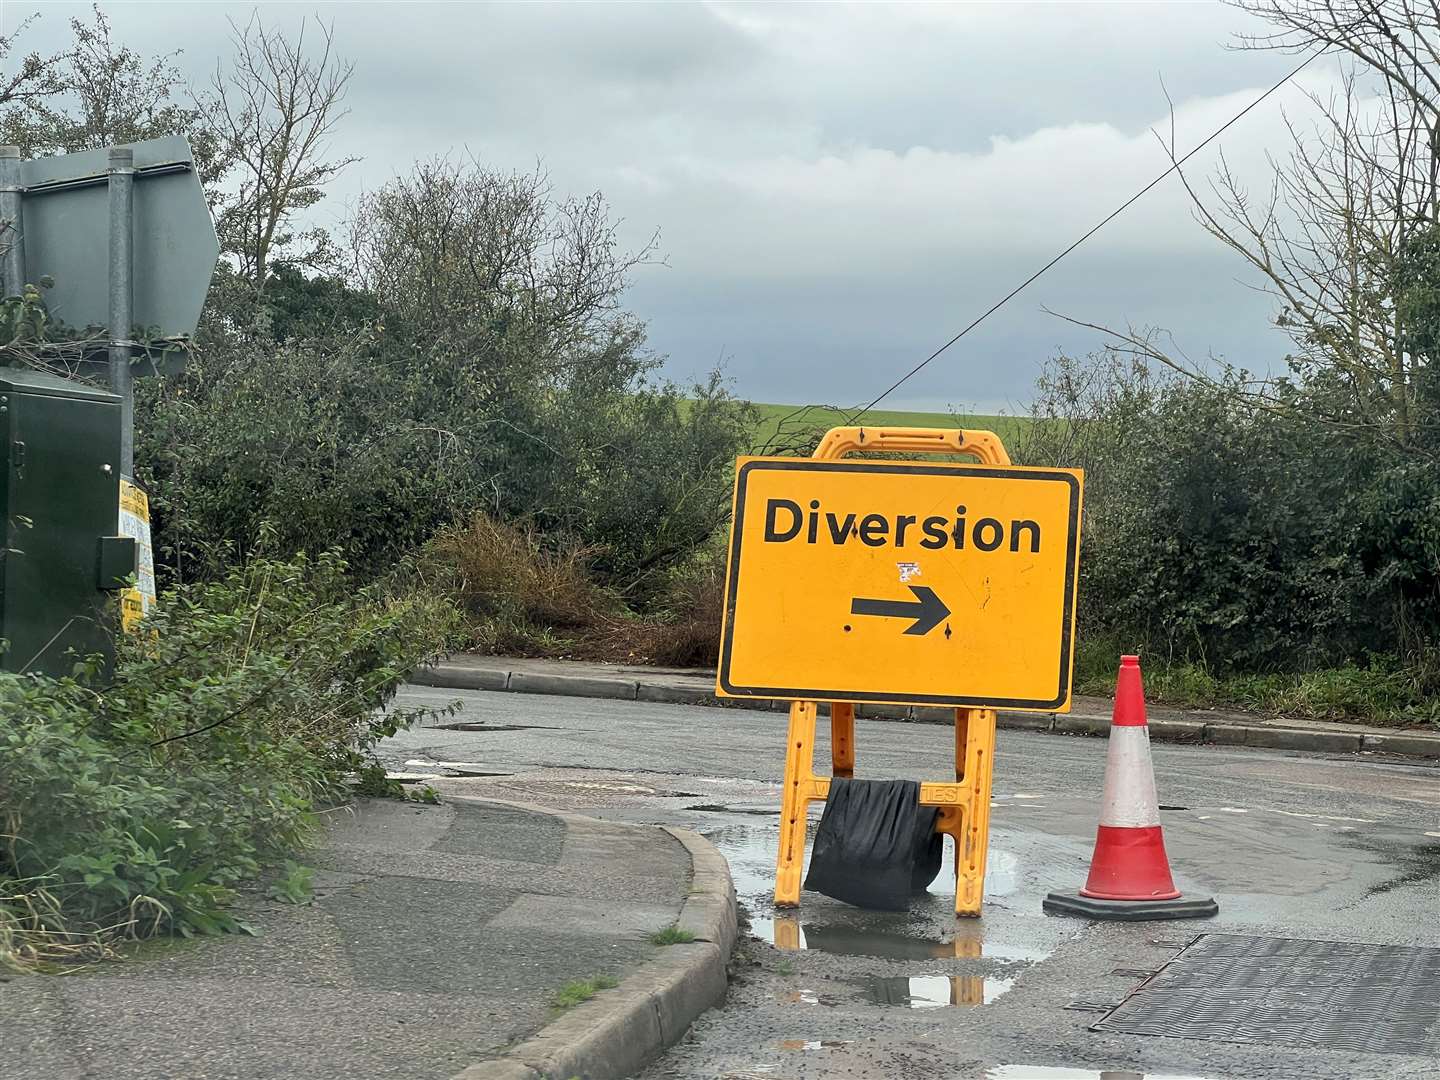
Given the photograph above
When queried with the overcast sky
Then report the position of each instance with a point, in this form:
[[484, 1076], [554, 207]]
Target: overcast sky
[[838, 189]]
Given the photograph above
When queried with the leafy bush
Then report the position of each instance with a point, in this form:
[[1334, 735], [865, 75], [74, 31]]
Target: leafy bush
[[138, 807], [643, 475], [314, 441], [478, 358], [1232, 542], [1376, 689], [368, 445]]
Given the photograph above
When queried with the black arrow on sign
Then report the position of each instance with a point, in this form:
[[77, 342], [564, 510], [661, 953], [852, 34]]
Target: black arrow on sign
[[927, 609]]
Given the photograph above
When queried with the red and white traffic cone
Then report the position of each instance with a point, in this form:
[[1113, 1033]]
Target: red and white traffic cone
[[1129, 872]]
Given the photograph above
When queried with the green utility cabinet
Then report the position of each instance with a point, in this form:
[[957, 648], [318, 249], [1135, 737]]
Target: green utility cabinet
[[60, 491]]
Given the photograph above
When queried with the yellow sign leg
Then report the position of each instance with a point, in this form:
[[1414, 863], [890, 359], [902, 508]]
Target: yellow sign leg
[[964, 805], [842, 738], [975, 747], [795, 803]]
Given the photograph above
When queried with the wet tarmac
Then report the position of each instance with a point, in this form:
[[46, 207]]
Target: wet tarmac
[[1291, 845]]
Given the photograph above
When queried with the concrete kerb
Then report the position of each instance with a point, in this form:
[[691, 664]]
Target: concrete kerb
[[710, 910], [1411, 745], [1267, 736], [1178, 730], [619, 1031], [1080, 724], [673, 695], [527, 682], [1340, 742], [455, 677]]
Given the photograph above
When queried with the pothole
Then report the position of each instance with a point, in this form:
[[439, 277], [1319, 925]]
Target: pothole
[[455, 768], [717, 808], [483, 728]]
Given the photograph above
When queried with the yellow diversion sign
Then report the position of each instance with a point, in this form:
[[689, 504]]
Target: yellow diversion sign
[[901, 582]]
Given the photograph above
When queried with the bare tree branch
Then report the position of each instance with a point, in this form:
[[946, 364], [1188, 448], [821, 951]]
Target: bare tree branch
[[1353, 189], [276, 108]]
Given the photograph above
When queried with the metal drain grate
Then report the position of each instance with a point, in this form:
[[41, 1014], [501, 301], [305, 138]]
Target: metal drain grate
[[1378, 999]]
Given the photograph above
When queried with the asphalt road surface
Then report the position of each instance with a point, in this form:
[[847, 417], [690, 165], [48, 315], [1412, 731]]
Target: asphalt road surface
[[1293, 846]]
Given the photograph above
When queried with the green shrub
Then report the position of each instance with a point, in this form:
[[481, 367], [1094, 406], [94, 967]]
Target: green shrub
[[1231, 536], [643, 475], [1379, 689], [1256, 557], [242, 705], [372, 442]]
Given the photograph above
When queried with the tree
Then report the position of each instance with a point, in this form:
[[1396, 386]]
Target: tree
[[1398, 40], [1356, 190], [275, 109], [505, 304], [482, 258], [259, 133], [1356, 186], [105, 93], [32, 78], [1345, 240]]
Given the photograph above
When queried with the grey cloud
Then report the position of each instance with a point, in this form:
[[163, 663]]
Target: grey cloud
[[844, 340], [838, 188]]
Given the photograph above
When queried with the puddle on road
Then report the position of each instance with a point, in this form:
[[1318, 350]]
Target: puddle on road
[[620, 788], [920, 937], [1409, 864], [913, 991], [936, 991], [749, 848], [788, 932], [718, 808]]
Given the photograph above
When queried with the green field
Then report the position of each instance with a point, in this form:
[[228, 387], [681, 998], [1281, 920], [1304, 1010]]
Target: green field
[[798, 419]]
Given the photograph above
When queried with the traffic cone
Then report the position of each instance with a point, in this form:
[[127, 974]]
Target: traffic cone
[[1129, 871]]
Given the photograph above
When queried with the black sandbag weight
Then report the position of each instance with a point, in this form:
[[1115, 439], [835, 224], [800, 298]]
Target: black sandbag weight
[[876, 845]]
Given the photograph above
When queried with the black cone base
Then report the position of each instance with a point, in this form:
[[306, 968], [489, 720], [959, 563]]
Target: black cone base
[[1085, 907]]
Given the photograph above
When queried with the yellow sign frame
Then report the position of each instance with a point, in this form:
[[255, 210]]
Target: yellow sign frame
[[964, 804]]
